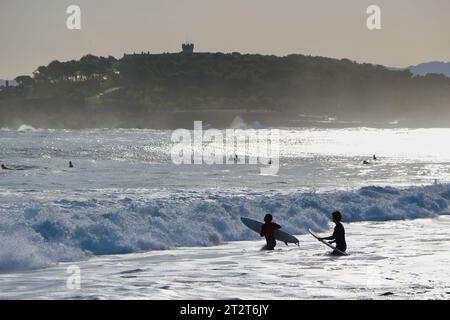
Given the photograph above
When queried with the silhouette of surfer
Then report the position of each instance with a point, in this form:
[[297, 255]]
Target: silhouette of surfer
[[366, 162], [17, 167], [70, 164], [268, 230], [338, 235], [236, 159], [374, 157]]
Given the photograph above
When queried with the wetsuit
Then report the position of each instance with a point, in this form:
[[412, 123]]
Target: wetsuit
[[338, 237], [268, 230]]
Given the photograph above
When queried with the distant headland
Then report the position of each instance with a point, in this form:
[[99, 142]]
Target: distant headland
[[171, 90]]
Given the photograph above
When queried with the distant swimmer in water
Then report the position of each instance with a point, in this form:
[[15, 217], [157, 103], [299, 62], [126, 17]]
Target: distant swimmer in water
[[18, 168], [374, 157], [70, 164], [366, 162], [268, 230], [338, 235]]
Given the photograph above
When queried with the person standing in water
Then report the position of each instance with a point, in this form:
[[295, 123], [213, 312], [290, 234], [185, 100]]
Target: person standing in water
[[70, 164], [268, 230], [338, 235]]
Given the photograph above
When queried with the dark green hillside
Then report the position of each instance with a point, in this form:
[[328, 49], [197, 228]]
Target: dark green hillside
[[172, 90]]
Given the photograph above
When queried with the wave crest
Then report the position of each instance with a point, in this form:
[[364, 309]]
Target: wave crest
[[27, 128], [65, 229]]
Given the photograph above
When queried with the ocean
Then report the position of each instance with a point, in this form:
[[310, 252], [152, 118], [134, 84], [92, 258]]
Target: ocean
[[125, 195]]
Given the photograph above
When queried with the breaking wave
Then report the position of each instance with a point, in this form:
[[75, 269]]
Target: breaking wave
[[39, 232], [25, 128]]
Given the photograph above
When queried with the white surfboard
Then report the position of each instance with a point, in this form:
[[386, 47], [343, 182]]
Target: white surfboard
[[279, 234], [326, 243]]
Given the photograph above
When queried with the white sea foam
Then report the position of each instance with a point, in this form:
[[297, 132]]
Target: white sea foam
[[38, 231], [388, 260], [25, 127]]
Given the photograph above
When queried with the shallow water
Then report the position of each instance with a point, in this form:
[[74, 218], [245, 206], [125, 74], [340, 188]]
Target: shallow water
[[388, 260]]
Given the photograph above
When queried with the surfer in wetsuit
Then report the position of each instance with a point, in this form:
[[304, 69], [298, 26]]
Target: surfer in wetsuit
[[70, 164], [5, 168], [268, 230], [338, 235]]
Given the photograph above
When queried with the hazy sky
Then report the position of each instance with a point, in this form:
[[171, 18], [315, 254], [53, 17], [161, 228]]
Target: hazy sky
[[33, 32]]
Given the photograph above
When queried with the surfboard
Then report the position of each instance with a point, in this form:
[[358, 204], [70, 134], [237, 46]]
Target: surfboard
[[279, 234], [326, 243]]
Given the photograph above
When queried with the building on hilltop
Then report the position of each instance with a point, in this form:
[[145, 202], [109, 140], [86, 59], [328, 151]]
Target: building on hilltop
[[134, 54], [188, 47]]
